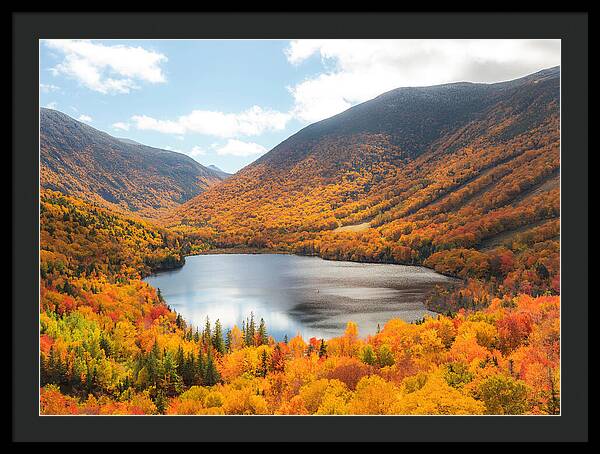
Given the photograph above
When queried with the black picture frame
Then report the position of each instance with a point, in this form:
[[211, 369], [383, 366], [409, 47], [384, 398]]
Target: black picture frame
[[571, 28]]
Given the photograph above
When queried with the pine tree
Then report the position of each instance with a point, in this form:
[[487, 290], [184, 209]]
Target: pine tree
[[264, 364], [161, 402], [207, 333], [91, 380], [153, 364], [217, 341], [211, 375], [322, 349], [179, 358], [262, 333], [228, 341], [188, 373], [244, 338], [251, 330], [200, 369], [105, 345], [171, 382]]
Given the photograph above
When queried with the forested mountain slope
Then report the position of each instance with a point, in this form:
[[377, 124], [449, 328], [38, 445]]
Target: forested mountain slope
[[461, 177], [109, 344], [79, 160]]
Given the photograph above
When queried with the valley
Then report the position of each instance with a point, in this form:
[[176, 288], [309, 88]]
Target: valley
[[460, 181]]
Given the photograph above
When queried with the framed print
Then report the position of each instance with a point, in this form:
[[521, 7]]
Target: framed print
[[233, 227]]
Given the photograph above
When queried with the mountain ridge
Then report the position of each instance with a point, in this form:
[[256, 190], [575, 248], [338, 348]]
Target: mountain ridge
[[79, 160]]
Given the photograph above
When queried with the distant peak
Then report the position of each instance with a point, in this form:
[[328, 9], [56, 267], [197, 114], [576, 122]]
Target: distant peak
[[218, 171]]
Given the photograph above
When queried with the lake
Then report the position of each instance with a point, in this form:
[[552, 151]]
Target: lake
[[295, 294]]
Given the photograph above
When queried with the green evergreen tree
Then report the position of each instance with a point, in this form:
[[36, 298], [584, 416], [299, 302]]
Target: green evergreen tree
[[217, 341], [207, 334], [251, 330], [264, 364], [153, 364], [211, 374], [105, 345], [161, 402], [189, 370], [200, 369], [322, 349], [180, 359], [228, 341], [91, 380], [263, 338], [171, 382]]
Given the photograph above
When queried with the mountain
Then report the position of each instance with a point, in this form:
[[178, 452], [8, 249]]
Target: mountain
[[219, 171], [79, 160], [129, 141], [412, 176]]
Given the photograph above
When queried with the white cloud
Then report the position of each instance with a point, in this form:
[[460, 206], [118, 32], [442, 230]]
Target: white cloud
[[197, 151], [194, 153], [147, 123], [85, 118], [48, 88], [251, 122], [235, 147], [121, 126], [51, 105], [107, 69], [358, 70]]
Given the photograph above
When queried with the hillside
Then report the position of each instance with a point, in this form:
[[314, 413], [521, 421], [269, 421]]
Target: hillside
[[79, 160], [110, 344], [461, 177]]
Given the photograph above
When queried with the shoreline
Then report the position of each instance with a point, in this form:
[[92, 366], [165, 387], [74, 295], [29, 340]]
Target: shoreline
[[266, 251], [241, 250]]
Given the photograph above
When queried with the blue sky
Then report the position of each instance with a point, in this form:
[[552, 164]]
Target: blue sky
[[227, 102]]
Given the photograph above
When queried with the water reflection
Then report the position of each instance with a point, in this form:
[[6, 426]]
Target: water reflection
[[305, 295]]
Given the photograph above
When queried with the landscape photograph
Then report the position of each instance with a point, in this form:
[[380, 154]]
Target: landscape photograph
[[300, 227]]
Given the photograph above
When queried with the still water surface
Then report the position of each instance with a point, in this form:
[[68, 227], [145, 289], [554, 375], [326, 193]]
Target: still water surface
[[294, 294]]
